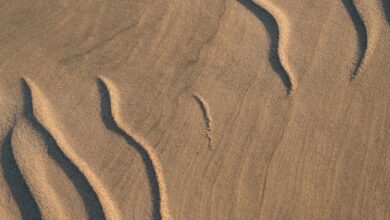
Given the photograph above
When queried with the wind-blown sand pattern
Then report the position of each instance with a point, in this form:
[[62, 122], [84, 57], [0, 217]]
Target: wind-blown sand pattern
[[175, 109], [46, 117], [48, 200]]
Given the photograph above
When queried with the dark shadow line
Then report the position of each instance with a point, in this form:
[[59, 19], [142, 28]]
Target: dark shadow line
[[203, 108], [88, 195], [360, 30], [272, 28], [109, 123], [386, 9], [206, 118], [17, 184]]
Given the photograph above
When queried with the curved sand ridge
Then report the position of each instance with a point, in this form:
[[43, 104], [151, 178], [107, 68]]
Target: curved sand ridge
[[44, 193], [367, 29], [279, 39], [361, 32], [16, 180], [148, 153], [44, 115]]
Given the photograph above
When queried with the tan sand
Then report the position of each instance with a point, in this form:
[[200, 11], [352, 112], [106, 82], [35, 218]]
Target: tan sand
[[177, 109]]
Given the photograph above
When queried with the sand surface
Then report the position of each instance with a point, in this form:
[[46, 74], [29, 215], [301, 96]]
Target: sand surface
[[201, 109]]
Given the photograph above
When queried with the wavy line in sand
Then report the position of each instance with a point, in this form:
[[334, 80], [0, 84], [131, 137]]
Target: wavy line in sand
[[49, 202], [277, 26], [361, 32], [150, 157], [24, 199], [85, 191], [206, 117], [47, 119]]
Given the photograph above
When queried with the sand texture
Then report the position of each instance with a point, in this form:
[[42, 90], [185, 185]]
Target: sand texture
[[195, 109]]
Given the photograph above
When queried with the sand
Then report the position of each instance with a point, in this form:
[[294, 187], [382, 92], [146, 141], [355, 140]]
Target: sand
[[178, 109]]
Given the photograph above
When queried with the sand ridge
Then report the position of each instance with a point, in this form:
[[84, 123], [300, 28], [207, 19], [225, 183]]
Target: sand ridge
[[146, 150], [278, 58]]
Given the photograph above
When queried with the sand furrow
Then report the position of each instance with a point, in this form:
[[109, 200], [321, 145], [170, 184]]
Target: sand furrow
[[46, 119], [361, 32], [265, 13], [112, 119]]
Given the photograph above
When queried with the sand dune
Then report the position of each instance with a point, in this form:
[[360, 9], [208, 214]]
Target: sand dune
[[172, 109]]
